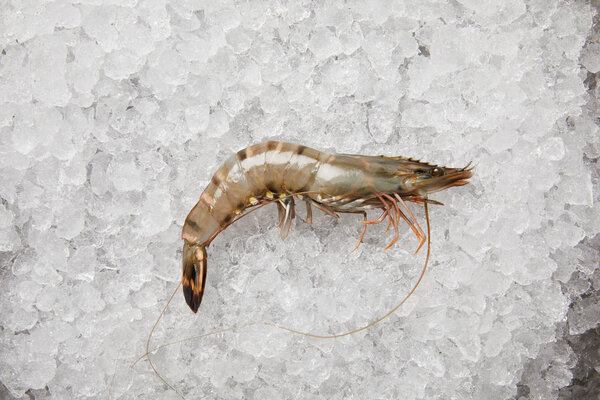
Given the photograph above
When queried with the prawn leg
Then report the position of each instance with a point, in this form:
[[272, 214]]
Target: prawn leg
[[388, 226], [393, 218], [364, 230], [280, 213], [308, 213], [400, 214], [376, 221], [367, 222], [326, 209], [395, 221], [287, 213], [420, 235]]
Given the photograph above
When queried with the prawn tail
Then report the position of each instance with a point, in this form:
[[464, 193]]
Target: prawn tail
[[193, 278]]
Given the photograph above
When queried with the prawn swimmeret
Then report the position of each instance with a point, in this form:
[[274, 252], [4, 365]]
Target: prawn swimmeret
[[279, 172]]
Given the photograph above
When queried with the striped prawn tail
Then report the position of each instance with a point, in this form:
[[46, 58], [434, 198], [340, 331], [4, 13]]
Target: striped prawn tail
[[194, 274]]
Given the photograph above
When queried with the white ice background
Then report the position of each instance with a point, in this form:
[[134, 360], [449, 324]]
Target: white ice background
[[115, 114]]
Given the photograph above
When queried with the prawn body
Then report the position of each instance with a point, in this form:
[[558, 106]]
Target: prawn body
[[334, 183]]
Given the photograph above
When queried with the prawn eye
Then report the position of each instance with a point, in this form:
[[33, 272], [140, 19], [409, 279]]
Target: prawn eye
[[437, 171]]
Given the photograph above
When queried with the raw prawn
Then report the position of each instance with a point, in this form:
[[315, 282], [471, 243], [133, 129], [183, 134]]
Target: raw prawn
[[279, 172]]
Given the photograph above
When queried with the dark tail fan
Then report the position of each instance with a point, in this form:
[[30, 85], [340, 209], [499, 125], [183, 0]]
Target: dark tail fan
[[194, 274]]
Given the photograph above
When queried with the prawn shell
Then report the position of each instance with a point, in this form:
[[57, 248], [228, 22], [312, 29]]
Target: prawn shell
[[277, 171]]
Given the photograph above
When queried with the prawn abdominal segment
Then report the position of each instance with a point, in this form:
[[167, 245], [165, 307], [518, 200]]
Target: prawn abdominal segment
[[334, 183]]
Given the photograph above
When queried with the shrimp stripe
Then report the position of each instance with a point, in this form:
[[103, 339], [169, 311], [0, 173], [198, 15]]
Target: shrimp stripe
[[253, 165], [302, 167], [277, 157]]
